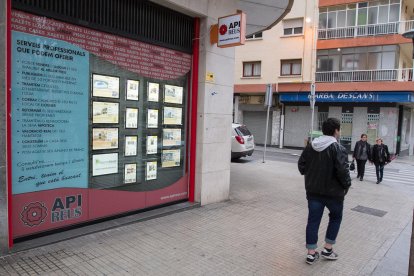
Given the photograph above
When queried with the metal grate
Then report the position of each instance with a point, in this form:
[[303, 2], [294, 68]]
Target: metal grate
[[369, 211], [140, 20]]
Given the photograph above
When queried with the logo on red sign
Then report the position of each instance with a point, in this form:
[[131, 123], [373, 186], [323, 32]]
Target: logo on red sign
[[33, 214], [223, 29]]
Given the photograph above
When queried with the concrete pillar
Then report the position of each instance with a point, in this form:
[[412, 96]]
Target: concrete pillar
[[335, 112], [3, 157], [388, 127], [275, 128], [411, 134], [359, 124], [215, 108]]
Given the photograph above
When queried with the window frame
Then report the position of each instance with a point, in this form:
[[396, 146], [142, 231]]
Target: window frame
[[253, 63], [291, 62], [293, 29]]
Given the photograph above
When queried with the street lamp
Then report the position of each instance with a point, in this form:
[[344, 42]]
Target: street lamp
[[410, 34]]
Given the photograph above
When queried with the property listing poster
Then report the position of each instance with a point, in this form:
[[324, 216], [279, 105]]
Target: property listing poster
[[49, 105]]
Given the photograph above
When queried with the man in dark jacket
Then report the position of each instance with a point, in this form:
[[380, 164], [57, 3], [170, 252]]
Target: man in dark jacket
[[324, 163], [362, 153]]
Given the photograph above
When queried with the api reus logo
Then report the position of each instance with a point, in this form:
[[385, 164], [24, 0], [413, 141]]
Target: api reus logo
[[67, 208], [33, 214], [223, 29]]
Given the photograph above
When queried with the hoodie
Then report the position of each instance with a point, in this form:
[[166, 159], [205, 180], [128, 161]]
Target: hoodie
[[322, 142]]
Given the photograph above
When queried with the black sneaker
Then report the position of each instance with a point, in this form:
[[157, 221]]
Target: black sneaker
[[311, 259], [329, 254]]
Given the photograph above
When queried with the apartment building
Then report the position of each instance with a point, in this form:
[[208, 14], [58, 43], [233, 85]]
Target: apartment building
[[358, 59]]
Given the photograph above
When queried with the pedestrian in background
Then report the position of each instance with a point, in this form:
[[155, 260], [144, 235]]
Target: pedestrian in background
[[362, 153], [380, 157], [324, 163]]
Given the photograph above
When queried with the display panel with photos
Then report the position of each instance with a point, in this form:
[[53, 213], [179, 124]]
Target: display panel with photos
[[173, 94], [132, 90], [105, 86], [131, 145], [172, 115], [104, 138], [131, 118], [130, 173], [105, 113], [152, 144], [151, 170], [103, 164], [152, 118], [171, 137], [171, 158], [153, 92]]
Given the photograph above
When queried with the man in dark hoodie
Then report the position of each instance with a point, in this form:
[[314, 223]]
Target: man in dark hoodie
[[324, 163]]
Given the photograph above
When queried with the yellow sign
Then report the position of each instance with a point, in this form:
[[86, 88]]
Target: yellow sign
[[210, 77]]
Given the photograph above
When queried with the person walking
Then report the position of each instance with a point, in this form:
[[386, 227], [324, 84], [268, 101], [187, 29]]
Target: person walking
[[324, 163], [380, 157], [362, 153]]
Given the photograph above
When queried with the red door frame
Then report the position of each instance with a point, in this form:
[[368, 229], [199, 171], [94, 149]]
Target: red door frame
[[8, 121]]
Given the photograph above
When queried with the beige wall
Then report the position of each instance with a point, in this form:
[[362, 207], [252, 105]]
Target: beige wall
[[275, 46]]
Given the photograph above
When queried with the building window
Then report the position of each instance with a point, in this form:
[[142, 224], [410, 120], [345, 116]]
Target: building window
[[252, 69], [293, 26], [255, 36], [291, 67]]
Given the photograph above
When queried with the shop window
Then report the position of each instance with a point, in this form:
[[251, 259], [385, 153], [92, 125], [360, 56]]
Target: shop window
[[291, 67], [293, 26], [252, 69]]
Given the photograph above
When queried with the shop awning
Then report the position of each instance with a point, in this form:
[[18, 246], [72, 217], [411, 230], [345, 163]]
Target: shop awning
[[262, 15], [375, 97]]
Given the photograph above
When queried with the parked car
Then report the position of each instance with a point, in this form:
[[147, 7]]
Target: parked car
[[242, 141]]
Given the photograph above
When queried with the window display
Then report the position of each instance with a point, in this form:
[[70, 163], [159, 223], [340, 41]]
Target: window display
[[173, 94], [104, 164], [171, 158], [172, 116], [130, 173], [151, 170], [104, 138], [171, 137], [152, 118], [152, 144], [153, 92], [132, 90], [131, 145], [105, 113], [131, 118], [105, 86]]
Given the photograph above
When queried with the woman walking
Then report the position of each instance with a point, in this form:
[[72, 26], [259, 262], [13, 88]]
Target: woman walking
[[380, 157], [362, 153]]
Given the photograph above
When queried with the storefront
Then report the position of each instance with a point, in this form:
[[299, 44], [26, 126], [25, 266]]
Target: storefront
[[99, 117], [378, 114]]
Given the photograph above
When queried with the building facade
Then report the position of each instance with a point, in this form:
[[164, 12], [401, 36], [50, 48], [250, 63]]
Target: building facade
[[361, 65], [107, 109]]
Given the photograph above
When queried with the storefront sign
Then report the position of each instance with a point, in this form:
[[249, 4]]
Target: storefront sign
[[232, 30], [350, 97], [49, 104]]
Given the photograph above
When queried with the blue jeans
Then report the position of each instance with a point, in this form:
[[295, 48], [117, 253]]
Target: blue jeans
[[379, 170], [316, 207]]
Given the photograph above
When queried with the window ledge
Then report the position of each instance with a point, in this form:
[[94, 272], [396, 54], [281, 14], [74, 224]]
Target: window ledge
[[259, 77], [294, 35], [253, 39], [290, 76]]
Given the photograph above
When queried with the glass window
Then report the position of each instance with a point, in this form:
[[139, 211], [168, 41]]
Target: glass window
[[351, 18], [322, 20], [372, 15], [331, 20], [389, 60], [293, 26], [383, 14], [394, 13], [360, 61], [252, 69], [348, 62], [374, 61], [362, 16], [341, 19], [255, 36], [291, 67]]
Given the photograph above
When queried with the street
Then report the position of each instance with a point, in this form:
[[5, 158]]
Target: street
[[259, 231]]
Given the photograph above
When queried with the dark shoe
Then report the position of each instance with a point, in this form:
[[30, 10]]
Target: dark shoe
[[311, 259], [358, 176], [329, 254], [361, 178], [378, 181]]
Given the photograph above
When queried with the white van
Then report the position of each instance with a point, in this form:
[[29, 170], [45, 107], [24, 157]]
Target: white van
[[242, 141]]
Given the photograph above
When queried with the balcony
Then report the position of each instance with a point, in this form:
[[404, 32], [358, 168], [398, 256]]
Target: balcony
[[405, 74], [366, 30]]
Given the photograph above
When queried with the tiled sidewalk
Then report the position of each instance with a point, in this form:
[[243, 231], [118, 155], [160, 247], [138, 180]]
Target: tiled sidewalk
[[259, 231]]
